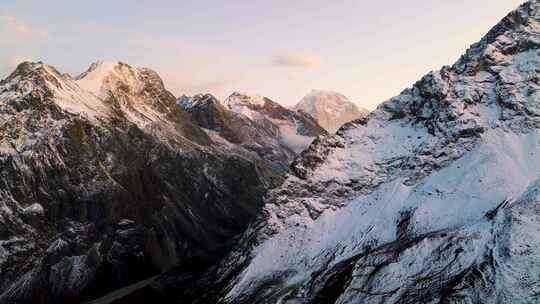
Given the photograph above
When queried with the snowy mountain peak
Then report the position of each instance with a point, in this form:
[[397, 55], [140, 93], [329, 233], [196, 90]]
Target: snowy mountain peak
[[246, 104], [138, 93], [106, 92], [330, 109], [242, 98], [103, 75], [329, 99], [37, 78], [100, 66], [282, 127]]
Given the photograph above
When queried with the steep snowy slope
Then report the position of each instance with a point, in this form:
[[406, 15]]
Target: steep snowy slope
[[433, 198], [330, 109], [138, 96], [104, 186]]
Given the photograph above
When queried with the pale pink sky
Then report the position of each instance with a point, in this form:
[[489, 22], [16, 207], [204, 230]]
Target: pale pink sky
[[367, 50]]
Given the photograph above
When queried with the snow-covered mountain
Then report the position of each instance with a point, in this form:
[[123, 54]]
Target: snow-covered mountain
[[236, 131], [330, 109], [432, 198], [296, 129], [254, 123], [105, 181]]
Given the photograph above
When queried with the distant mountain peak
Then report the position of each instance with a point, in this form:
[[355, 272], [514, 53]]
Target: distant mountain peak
[[245, 103], [330, 109], [244, 98], [256, 122]]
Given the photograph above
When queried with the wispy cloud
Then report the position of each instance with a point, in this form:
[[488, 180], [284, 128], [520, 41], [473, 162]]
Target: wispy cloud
[[15, 31], [294, 59]]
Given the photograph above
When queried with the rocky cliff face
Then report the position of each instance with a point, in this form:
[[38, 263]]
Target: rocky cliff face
[[433, 198], [105, 181], [330, 109], [256, 124]]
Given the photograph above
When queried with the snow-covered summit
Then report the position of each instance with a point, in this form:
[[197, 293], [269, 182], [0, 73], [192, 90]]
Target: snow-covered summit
[[245, 98], [256, 123], [246, 104], [297, 129], [139, 93], [104, 76], [105, 93], [93, 78], [31, 77], [330, 109]]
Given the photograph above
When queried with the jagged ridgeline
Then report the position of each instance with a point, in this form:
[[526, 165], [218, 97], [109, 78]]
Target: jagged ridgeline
[[432, 198], [106, 181], [256, 124]]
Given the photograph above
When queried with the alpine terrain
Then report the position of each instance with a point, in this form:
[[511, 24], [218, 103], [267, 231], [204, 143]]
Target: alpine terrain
[[432, 198], [257, 124], [114, 191], [330, 109], [105, 181]]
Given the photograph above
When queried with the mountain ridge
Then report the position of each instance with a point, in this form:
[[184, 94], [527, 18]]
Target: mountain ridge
[[98, 192], [257, 123], [433, 197]]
